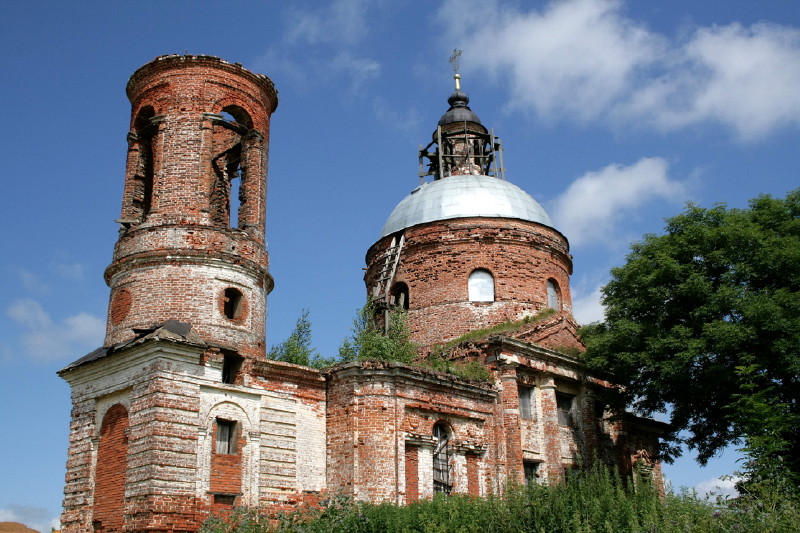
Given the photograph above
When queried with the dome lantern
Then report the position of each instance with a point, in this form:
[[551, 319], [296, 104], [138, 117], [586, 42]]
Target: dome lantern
[[461, 145]]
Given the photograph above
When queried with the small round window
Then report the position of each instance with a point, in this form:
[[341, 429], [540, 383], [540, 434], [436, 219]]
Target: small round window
[[232, 303]]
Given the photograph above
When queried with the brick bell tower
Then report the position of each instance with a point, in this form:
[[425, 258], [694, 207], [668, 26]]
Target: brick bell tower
[[165, 425], [191, 244], [468, 249]]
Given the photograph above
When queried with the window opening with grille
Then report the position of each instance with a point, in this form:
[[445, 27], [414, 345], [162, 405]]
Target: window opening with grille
[[441, 459]]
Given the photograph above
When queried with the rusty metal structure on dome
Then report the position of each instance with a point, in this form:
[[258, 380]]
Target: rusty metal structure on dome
[[463, 146]]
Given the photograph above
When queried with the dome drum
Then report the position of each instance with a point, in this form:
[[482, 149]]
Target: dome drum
[[439, 257]]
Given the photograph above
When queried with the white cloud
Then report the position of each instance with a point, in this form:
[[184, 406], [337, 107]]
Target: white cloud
[[358, 69], [590, 210], [44, 340], [573, 58], [324, 42], [33, 517], [71, 271], [339, 22], [586, 306], [31, 281], [747, 78], [587, 60], [711, 488]]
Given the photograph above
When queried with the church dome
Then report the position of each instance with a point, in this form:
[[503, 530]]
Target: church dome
[[464, 196]]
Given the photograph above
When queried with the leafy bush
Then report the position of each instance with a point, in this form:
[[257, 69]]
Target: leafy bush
[[367, 342], [596, 500]]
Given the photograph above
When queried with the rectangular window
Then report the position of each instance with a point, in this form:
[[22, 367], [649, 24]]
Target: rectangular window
[[571, 472], [231, 365], [224, 499], [566, 406], [226, 437], [531, 471], [525, 401]]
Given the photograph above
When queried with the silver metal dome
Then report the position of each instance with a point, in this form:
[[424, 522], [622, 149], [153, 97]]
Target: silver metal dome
[[464, 196]]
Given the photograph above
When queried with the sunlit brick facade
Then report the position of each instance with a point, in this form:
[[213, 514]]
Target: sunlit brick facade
[[180, 414]]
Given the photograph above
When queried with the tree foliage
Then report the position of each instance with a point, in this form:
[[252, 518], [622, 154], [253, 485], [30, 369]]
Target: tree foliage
[[370, 342], [704, 321], [297, 349]]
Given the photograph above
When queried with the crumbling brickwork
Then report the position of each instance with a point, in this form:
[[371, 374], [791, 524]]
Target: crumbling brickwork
[[198, 125], [438, 257], [180, 415], [382, 414]]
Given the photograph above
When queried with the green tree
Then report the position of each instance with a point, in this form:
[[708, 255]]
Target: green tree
[[704, 322], [297, 348], [368, 341]]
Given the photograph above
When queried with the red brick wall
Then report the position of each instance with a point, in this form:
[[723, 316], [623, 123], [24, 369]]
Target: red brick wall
[[378, 415], [412, 473], [438, 258], [226, 469], [509, 398], [473, 488], [112, 455]]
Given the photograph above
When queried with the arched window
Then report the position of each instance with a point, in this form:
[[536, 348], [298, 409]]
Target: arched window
[[441, 459], [400, 295], [481, 286], [112, 457], [553, 299], [235, 113]]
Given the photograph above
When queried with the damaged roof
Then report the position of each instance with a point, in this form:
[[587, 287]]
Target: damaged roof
[[171, 330]]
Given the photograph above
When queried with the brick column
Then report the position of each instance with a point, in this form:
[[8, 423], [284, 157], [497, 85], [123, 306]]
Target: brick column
[[551, 430], [473, 486], [588, 425], [509, 398], [412, 473]]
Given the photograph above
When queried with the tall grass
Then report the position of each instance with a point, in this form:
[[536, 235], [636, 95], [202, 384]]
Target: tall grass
[[595, 501]]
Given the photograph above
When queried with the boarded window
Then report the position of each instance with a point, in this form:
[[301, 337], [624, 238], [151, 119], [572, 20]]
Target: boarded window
[[481, 286], [226, 437]]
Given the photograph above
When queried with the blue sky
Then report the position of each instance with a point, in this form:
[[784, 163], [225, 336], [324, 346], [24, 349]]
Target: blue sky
[[613, 115]]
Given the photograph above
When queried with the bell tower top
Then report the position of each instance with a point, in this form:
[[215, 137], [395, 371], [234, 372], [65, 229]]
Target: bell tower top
[[192, 245]]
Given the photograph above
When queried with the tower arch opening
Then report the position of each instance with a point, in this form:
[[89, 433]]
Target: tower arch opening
[[142, 174], [237, 114]]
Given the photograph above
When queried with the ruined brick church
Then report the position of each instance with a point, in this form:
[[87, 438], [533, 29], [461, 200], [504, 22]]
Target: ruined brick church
[[180, 413]]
